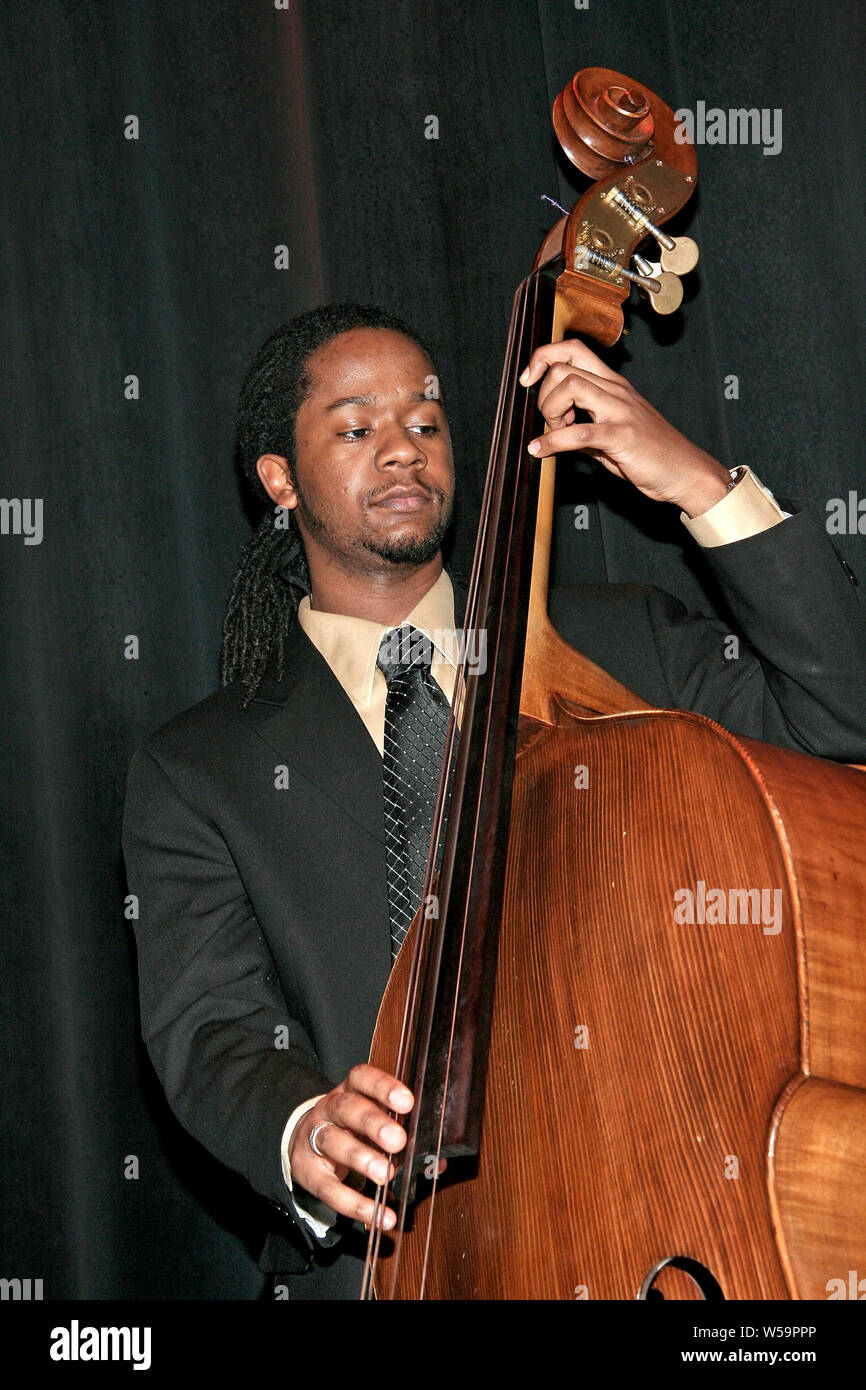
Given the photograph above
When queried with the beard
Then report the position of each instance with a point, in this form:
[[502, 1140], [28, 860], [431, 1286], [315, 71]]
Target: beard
[[409, 549], [412, 549]]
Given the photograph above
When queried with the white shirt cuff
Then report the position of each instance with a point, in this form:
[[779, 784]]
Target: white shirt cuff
[[319, 1228], [744, 511]]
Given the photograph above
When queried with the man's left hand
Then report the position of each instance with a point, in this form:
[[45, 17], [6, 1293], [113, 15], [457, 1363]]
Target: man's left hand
[[625, 433]]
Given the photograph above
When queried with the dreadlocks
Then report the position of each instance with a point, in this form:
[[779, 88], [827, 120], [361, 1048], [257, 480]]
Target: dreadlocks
[[272, 574]]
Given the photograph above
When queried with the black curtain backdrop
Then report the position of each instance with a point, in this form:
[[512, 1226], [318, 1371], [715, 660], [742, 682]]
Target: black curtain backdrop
[[304, 126]]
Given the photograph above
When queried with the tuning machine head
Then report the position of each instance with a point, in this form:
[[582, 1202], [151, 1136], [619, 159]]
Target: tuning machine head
[[669, 295], [681, 256]]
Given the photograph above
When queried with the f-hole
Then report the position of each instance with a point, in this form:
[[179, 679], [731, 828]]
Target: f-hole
[[691, 1281]]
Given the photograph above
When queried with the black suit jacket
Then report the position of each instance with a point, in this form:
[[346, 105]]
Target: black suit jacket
[[263, 937]]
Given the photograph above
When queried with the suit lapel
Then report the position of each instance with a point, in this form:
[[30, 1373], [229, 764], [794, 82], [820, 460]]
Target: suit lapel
[[309, 720]]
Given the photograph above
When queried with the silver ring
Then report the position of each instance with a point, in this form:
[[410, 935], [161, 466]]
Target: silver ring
[[317, 1129]]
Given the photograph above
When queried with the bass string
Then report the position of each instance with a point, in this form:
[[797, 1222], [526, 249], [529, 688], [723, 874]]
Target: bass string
[[416, 973], [511, 376], [421, 943], [416, 977], [470, 622], [411, 1148], [420, 954], [374, 1245]]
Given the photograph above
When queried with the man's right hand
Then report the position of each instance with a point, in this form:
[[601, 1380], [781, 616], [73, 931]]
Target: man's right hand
[[359, 1135]]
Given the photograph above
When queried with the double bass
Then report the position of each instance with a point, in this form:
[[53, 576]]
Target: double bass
[[630, 1106]]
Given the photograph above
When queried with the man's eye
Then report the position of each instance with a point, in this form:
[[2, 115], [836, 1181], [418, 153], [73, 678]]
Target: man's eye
[[426, 429], [355, 433]]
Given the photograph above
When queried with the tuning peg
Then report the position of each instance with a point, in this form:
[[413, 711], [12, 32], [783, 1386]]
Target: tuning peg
[[681, 256], [677, 254], [586, 256], [669, 296]]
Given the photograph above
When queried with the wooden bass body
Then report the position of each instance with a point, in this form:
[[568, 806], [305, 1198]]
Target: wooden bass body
[[679, 1107]]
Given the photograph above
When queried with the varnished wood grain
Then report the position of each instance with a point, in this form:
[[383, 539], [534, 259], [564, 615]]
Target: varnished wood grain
[[621, 1153], [822, 808], [818, 1176], [610, 1158]]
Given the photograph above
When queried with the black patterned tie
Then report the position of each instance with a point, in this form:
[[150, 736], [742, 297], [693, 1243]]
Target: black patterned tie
[[416, 721]]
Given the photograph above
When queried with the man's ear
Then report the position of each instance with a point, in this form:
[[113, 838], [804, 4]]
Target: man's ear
[[273, 471]]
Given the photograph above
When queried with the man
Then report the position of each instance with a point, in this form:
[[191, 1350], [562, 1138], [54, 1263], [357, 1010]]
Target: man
[[254, 829]]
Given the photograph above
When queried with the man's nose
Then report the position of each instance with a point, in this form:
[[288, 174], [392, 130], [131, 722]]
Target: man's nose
[[398, 445]]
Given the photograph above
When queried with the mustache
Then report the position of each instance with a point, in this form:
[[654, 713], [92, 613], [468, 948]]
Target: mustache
[[389, 487]]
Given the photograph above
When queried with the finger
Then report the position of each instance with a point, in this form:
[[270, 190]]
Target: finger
[[309, 1171], [562, 371], [573, 439], [381, 1086], [309, 1165], [571, 351], [348, 1202], [363, 1117], [343, 1147], [581, 390]]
